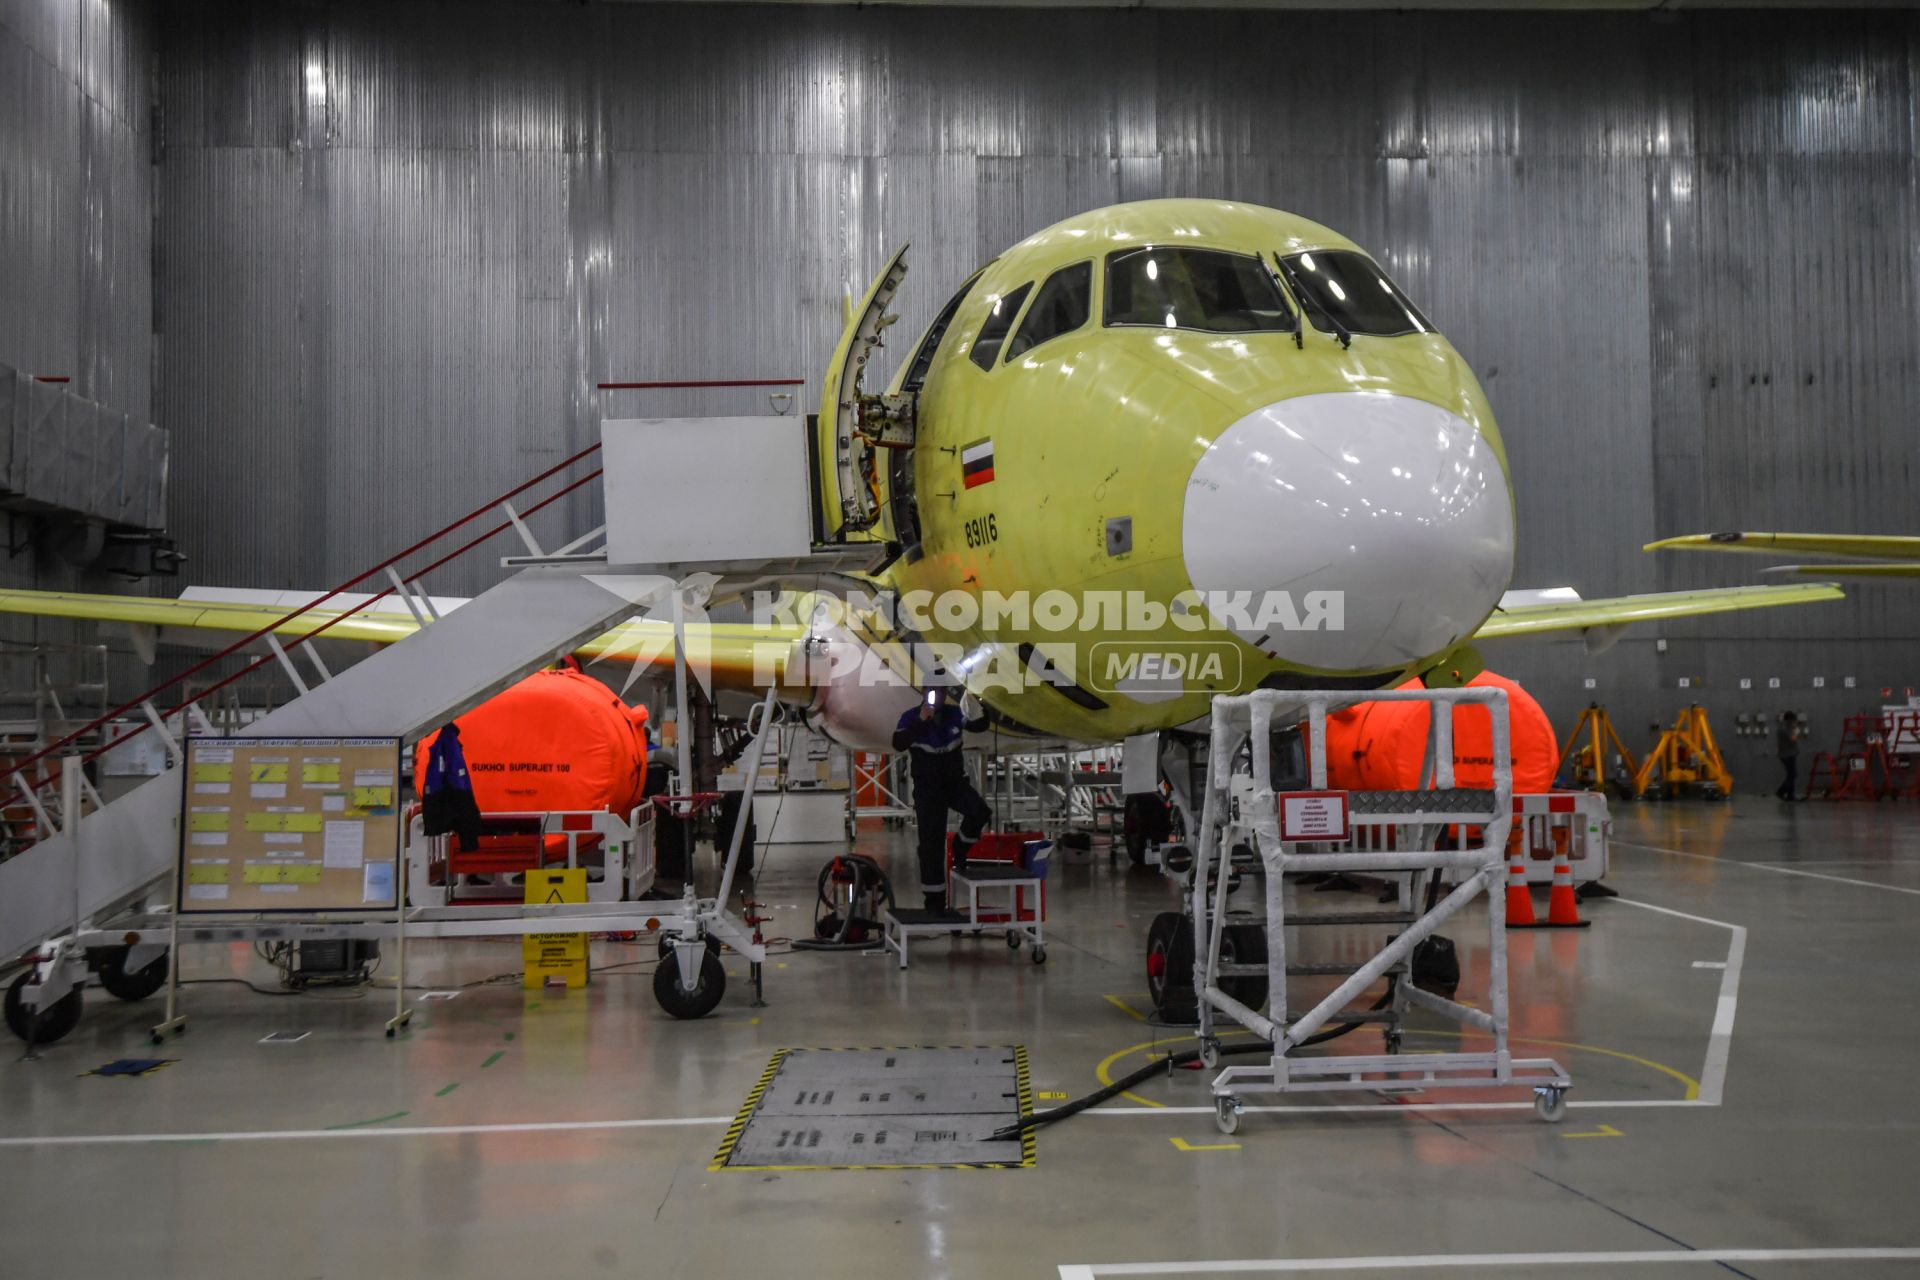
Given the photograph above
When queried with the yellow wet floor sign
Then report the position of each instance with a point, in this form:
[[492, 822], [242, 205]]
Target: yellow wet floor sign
[[550, 956]]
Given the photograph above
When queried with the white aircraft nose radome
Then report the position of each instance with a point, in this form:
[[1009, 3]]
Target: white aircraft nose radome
[[1394, 503]]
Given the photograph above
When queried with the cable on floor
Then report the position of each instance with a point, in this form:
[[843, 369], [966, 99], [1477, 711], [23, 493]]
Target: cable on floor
[[1168, 1063]]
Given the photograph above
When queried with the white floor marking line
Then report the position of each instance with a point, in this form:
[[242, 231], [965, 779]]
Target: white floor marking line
[[395, 1131], [1429, 1261], [1762, 866], [1713, 1073], [673, 1122], [1388, 1109], [1709, 964], [1831, 862]]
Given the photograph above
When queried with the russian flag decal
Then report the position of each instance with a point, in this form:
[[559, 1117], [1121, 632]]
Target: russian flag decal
[[976, 463]]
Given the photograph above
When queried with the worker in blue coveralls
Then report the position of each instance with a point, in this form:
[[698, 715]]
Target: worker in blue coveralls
[[931, 734]]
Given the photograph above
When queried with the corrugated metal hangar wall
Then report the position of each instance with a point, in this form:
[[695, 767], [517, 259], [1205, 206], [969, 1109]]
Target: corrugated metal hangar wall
[[399, 242], [76, 275]]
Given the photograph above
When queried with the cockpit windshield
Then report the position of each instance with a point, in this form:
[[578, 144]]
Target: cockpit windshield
[[1207, 289], [1348, 291]]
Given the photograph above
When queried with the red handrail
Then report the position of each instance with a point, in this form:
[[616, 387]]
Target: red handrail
[[710, 382], [275, 625]]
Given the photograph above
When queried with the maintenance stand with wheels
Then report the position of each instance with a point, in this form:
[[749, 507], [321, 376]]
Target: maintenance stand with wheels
[[996, 878], [1386, 832]]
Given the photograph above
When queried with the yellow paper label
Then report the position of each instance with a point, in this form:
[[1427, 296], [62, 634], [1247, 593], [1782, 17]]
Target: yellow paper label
[[213, 773], [372, 797], [266, 773], [320, 773], [301, 822], [282, 873], [208, 821], [206, 873]]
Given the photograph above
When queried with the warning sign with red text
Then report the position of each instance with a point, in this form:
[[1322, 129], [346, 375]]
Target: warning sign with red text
[[1313, 815]]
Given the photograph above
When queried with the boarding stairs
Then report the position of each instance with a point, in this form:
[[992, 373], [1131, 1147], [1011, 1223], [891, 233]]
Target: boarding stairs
[[553, 603]]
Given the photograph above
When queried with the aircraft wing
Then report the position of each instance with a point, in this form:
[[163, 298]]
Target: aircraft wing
[[732, 652], [1606, 617], [1845, 545], [204, 615], [1865, 572]]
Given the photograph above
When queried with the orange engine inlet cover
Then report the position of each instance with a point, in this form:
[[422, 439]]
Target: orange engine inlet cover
[[558, 740], [1380, 746]]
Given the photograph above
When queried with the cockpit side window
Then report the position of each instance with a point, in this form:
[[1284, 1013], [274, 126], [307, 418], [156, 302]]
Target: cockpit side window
[[1000, 319], [1348, 290], [1206, 289], [929, 345], [1060, 307]]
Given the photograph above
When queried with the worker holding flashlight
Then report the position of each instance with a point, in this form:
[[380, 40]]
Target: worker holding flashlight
[[931, 734]]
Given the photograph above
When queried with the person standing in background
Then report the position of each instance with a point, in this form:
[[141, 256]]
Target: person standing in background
[[1787, 736]]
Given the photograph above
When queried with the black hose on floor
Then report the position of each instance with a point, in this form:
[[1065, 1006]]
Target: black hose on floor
[[1168, 1063]]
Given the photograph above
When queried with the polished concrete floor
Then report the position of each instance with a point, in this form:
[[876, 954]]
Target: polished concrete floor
[[1740, 1024]]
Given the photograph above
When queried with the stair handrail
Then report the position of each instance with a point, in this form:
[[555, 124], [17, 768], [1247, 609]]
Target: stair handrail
[[273, 627]]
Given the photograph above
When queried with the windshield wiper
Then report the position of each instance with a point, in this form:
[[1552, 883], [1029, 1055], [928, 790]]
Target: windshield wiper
[[1304, 297]]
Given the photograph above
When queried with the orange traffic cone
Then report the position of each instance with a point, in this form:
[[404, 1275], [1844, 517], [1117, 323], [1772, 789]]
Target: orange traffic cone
[[1563, 907], [1563, 912], [1519, 897]]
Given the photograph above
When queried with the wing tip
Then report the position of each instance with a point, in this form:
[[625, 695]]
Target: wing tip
[[1689, 541]]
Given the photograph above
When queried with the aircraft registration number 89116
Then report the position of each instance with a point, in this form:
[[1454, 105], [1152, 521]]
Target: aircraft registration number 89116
[[981, 530]]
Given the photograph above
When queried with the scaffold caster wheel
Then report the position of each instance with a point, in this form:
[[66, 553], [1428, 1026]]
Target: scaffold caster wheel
[[1039, 955], [1013, 939], [1226, 1114], [1550, 1103], [1210, 1053], [1393, 1042]]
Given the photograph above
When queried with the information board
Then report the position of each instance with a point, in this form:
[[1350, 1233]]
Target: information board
[[290, 824]]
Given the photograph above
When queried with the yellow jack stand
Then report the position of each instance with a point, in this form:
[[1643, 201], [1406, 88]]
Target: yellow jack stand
[[1686, 756], [1587, 747]]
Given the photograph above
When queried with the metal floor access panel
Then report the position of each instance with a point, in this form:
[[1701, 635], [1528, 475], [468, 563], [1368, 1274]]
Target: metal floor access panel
[[920, 1108]]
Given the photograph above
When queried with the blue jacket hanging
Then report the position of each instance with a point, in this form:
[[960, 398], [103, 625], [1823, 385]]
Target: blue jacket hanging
[[447, 803]]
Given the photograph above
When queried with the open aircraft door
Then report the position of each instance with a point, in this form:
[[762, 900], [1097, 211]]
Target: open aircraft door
[[854, 425]]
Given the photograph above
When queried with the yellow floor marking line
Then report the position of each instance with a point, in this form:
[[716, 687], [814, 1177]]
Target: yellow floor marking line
[[1104, 1072], [1125, 1008], [1604, 1131], [1181, 1144]]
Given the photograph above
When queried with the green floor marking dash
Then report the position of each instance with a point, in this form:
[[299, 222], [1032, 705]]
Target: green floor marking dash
[[361, 1124], [449, 1089], [497, 1055]]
